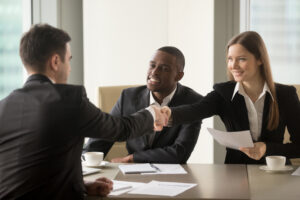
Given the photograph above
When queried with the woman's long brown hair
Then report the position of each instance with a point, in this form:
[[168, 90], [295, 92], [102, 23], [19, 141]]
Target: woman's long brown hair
[[253, 42]]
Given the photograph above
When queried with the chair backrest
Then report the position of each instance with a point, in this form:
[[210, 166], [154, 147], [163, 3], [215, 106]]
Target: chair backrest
[[286, 133], [107, 98]]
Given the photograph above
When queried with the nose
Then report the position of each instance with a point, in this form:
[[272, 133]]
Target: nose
[[155, 70], [235, 64]]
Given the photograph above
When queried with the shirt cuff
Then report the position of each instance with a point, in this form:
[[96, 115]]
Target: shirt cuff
[[151, 110]]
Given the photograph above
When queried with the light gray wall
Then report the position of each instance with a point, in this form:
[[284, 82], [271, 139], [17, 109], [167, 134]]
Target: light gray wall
[[67, 15], [226, 25]]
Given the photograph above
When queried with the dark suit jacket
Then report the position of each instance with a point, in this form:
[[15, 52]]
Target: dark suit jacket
[[234, 116], [42, 129], [171, 145]]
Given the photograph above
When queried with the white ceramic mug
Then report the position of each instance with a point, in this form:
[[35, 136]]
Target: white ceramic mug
[[93, 158], [275, 162]]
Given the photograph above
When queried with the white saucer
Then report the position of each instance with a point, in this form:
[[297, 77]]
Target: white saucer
[[102, 164], [284, 169]]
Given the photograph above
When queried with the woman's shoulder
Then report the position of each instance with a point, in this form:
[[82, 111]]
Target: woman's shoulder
[[225, 89], [284, 89]]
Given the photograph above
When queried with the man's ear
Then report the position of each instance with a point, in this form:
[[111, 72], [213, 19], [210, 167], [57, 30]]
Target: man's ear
[[179, 76], [54, 62]]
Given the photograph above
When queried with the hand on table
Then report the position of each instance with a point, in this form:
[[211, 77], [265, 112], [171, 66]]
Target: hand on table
[[126, 159], [100, 187], [256, 152]]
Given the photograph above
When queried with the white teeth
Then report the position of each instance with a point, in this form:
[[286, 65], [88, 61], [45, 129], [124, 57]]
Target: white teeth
[[154, 80]]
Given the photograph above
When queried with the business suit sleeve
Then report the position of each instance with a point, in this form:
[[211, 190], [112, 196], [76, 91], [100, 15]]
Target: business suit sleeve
[[289, 107], [99, 144], [207, 107], [178, 152], [95, 123]]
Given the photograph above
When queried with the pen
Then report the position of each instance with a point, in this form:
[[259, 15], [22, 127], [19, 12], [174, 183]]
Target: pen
[[153, 166]]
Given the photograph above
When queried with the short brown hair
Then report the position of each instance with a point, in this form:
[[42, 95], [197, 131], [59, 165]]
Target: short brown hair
[[40, 43], [253, 42]]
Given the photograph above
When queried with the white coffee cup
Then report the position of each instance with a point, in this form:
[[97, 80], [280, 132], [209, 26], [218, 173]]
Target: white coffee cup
[[93, 158], [275, 162]]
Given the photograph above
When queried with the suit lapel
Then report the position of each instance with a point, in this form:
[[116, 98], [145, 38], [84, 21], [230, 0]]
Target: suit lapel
[[176, 96], [241, 113], [143, 99], [265, 116]]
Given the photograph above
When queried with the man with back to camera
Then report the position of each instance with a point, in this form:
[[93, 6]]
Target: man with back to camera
[[43, 125], [172, 144]]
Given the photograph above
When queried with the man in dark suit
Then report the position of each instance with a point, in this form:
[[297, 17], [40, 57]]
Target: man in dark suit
[[43, 125], [173, 144]]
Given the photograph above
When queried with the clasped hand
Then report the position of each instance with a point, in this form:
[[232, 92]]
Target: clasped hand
[[162, 116]]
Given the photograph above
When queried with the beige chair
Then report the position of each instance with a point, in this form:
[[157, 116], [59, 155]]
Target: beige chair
[[286, 133], [107, 98]]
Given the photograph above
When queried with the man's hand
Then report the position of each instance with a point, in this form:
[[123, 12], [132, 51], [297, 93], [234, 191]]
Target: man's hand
[[126, 159], [256, 152], [161, 118], [166, 110], [100, 187]]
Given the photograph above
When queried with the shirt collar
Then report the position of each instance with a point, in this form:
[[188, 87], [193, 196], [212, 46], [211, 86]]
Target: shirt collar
[[240, 89], [165, 101]]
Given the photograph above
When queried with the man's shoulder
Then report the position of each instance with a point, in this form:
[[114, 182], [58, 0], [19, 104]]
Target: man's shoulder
[[70, 91]]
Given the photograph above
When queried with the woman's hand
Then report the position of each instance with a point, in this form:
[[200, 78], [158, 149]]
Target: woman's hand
[[256, 152]]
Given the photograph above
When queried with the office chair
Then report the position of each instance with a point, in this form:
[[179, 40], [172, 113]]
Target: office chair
[[107, 98]]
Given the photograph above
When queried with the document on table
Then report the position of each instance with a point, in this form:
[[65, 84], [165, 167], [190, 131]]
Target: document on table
[[162, 188], [233, 140], [167, 169], [137, 168], [297, 172], [121, 187]]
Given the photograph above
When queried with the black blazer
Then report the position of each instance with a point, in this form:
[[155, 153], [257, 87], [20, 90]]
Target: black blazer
[[171, 145], [234, 115], [42, 129]]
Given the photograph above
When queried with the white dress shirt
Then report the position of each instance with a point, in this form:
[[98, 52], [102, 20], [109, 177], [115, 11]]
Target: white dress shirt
[[165, 102], [255, 110]]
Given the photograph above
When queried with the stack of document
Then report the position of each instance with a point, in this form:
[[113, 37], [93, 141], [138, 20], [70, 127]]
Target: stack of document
[[137, 168], [152, 169]]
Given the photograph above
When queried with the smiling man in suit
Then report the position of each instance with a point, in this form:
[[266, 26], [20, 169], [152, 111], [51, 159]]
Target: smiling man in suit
[[43, 125], [172, 144]]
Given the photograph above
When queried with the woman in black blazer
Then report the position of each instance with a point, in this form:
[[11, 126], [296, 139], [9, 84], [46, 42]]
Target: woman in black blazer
[[250, 101]]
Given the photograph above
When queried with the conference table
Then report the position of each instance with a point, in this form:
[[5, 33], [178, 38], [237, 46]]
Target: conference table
[[214, 181]]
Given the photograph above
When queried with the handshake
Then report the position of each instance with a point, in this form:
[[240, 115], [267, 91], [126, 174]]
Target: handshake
[[162, 116]]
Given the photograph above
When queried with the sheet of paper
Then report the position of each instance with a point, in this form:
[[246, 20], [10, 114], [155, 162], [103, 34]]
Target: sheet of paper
[[88, 170], [297, 172], [162, 188], [121, 187], [167, 169], [233, 140], [137, 168]]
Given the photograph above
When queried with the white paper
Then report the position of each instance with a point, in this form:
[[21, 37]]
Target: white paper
[[162, 188], [167, 169], [126, 185], [233, 140], [87, 170], [136, 168], [297, 172]]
